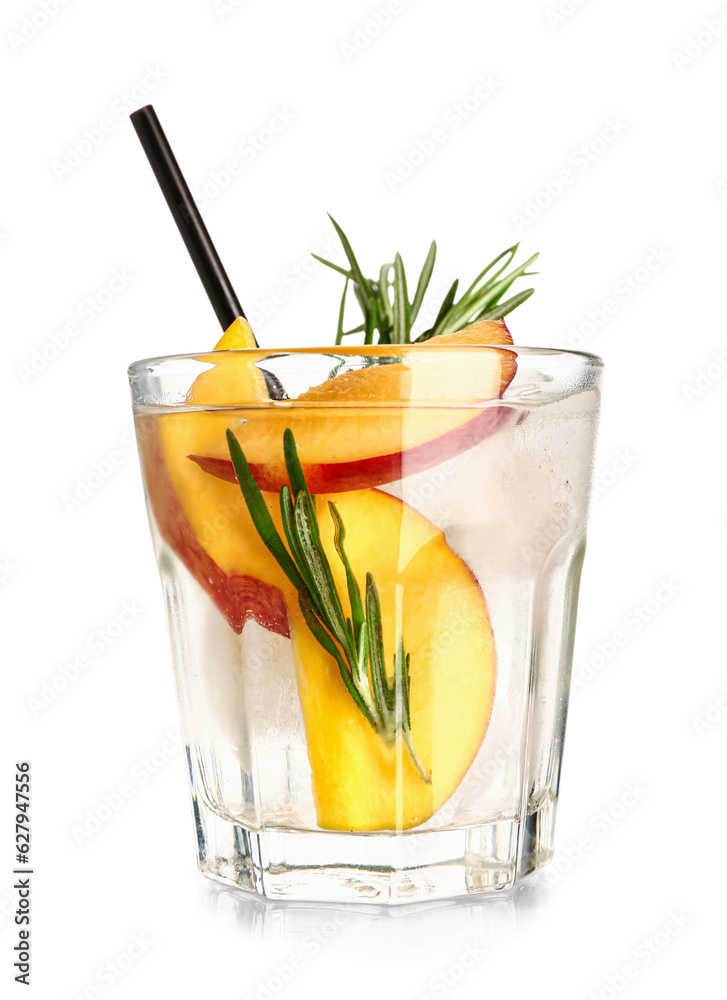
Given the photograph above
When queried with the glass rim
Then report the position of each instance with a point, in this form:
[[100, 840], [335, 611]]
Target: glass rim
[[364, 350]]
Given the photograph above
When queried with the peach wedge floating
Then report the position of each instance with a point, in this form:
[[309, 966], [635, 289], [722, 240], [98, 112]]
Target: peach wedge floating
[[359, 783], [348, 438]]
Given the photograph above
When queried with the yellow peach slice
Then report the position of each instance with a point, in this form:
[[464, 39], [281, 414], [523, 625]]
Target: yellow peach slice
[[366, 426], [430, 598]]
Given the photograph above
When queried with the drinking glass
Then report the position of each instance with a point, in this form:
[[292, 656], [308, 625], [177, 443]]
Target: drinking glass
[[381, 717]]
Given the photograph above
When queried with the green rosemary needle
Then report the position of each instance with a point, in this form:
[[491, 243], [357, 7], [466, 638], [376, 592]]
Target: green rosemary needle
[[356, 643], [385, 301]]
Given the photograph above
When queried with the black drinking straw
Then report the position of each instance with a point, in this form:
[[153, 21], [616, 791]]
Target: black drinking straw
[[186, 214]]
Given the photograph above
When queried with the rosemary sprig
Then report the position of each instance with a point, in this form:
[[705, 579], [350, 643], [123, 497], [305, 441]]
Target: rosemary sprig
[[385, 302], [356, 643]]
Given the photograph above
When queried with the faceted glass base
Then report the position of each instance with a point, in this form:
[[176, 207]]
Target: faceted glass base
[[371, 868]]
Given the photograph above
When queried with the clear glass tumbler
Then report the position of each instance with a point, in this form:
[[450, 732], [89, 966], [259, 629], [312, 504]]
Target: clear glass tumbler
[[370, 559]]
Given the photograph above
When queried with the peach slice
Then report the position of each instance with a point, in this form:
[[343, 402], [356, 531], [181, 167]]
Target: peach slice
[[174, 495], [239, 596], [237, 336], [358, 782], [345, 444]]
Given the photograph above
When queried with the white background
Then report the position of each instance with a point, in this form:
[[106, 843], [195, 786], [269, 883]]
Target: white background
[[642, 811]]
